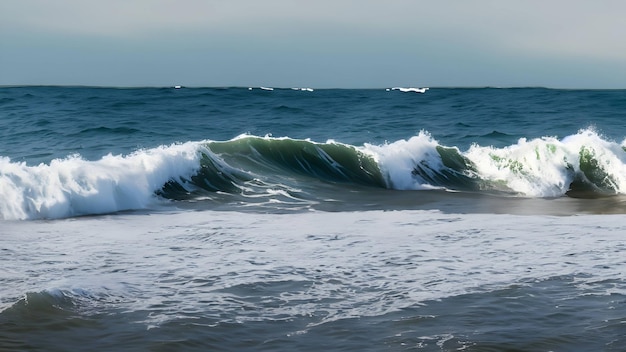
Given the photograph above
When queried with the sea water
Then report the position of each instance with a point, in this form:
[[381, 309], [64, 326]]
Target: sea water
[[299, 219]]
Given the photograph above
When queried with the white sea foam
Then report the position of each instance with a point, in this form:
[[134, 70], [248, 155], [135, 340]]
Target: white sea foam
[[542, 167], [545, 167], [74, 186], [398, 159], [349, 264], [410, 89]]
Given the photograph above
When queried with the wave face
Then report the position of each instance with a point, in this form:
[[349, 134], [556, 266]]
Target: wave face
[[249, 170]]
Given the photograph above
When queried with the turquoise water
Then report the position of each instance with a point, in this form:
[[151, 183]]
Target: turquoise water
[[256, 219]]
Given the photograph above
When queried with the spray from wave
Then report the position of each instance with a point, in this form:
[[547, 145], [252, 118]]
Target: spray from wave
[[73, 186]]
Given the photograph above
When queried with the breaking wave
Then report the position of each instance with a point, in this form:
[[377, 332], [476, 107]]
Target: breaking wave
[[287, 170]]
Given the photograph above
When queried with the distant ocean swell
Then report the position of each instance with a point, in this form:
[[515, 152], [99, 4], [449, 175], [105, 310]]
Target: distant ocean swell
[[280, 170]]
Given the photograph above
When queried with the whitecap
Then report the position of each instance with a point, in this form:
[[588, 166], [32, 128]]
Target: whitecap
[[410, 89]]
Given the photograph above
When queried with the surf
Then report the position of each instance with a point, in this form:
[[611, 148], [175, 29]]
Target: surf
[[253, 169], [73, 186]]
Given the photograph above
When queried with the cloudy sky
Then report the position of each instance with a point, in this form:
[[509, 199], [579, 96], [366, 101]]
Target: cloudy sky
[[320, 44]]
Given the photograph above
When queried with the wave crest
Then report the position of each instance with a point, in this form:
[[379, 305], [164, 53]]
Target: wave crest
[[74, 186], [548, 167]]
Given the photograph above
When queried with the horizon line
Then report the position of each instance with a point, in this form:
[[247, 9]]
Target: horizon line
[[293, 88]]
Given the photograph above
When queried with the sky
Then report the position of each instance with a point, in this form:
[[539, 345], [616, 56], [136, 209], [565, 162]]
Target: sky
[[319, 44]]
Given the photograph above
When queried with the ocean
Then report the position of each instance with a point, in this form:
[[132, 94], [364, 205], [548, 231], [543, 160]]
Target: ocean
[[298, 219]]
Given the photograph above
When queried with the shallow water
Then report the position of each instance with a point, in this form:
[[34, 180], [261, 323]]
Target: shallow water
[[343, 280]]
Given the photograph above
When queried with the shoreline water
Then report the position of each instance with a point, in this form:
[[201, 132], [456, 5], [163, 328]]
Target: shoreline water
[[365, 279]]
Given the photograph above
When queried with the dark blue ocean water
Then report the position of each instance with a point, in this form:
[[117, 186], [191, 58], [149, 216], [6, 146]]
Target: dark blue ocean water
[[168, 219], [41, 123]]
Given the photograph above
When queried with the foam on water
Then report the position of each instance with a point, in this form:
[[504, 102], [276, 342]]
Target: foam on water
[[74, 186], [547, 167], [317, 266], [397, 160], [542, 167], [409, 89]]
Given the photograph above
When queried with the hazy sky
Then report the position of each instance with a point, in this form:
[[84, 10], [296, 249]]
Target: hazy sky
[[315, 43]]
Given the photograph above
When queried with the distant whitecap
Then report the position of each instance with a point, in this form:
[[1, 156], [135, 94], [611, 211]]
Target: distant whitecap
[[411, 89]]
